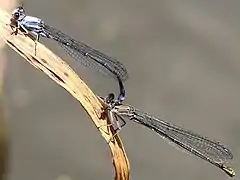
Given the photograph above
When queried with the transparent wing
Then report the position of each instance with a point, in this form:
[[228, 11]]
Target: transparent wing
[[209, 150], [194, 143], [88, 56]]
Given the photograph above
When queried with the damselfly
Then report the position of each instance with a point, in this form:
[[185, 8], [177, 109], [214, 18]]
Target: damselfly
[[79, 51], [212, 151]]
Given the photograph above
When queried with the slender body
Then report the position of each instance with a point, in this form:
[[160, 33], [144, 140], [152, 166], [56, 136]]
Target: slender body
[[79, 51], [200, 146]]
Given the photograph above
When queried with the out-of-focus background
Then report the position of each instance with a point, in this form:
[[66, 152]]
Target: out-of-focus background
[[183, 59]]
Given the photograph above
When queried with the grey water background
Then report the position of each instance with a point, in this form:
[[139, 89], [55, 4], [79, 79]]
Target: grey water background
[[183, 60]]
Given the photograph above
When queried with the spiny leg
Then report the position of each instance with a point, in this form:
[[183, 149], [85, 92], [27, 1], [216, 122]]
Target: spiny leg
[[111, 137], [119, 126], [15, 32], [114, 121], [110, 118]]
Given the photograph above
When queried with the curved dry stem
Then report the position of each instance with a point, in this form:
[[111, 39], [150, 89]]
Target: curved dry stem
[[59, 71]]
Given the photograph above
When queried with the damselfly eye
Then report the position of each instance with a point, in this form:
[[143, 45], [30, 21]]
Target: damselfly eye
[[16, 16]]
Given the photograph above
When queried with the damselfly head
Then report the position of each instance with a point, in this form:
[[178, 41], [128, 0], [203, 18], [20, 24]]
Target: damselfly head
[[110, 98], [18, 13]]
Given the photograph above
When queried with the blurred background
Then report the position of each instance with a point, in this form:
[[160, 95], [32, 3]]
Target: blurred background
[[183, 60]]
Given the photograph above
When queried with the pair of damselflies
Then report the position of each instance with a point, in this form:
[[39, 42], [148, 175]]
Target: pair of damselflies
[[212, 151]]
